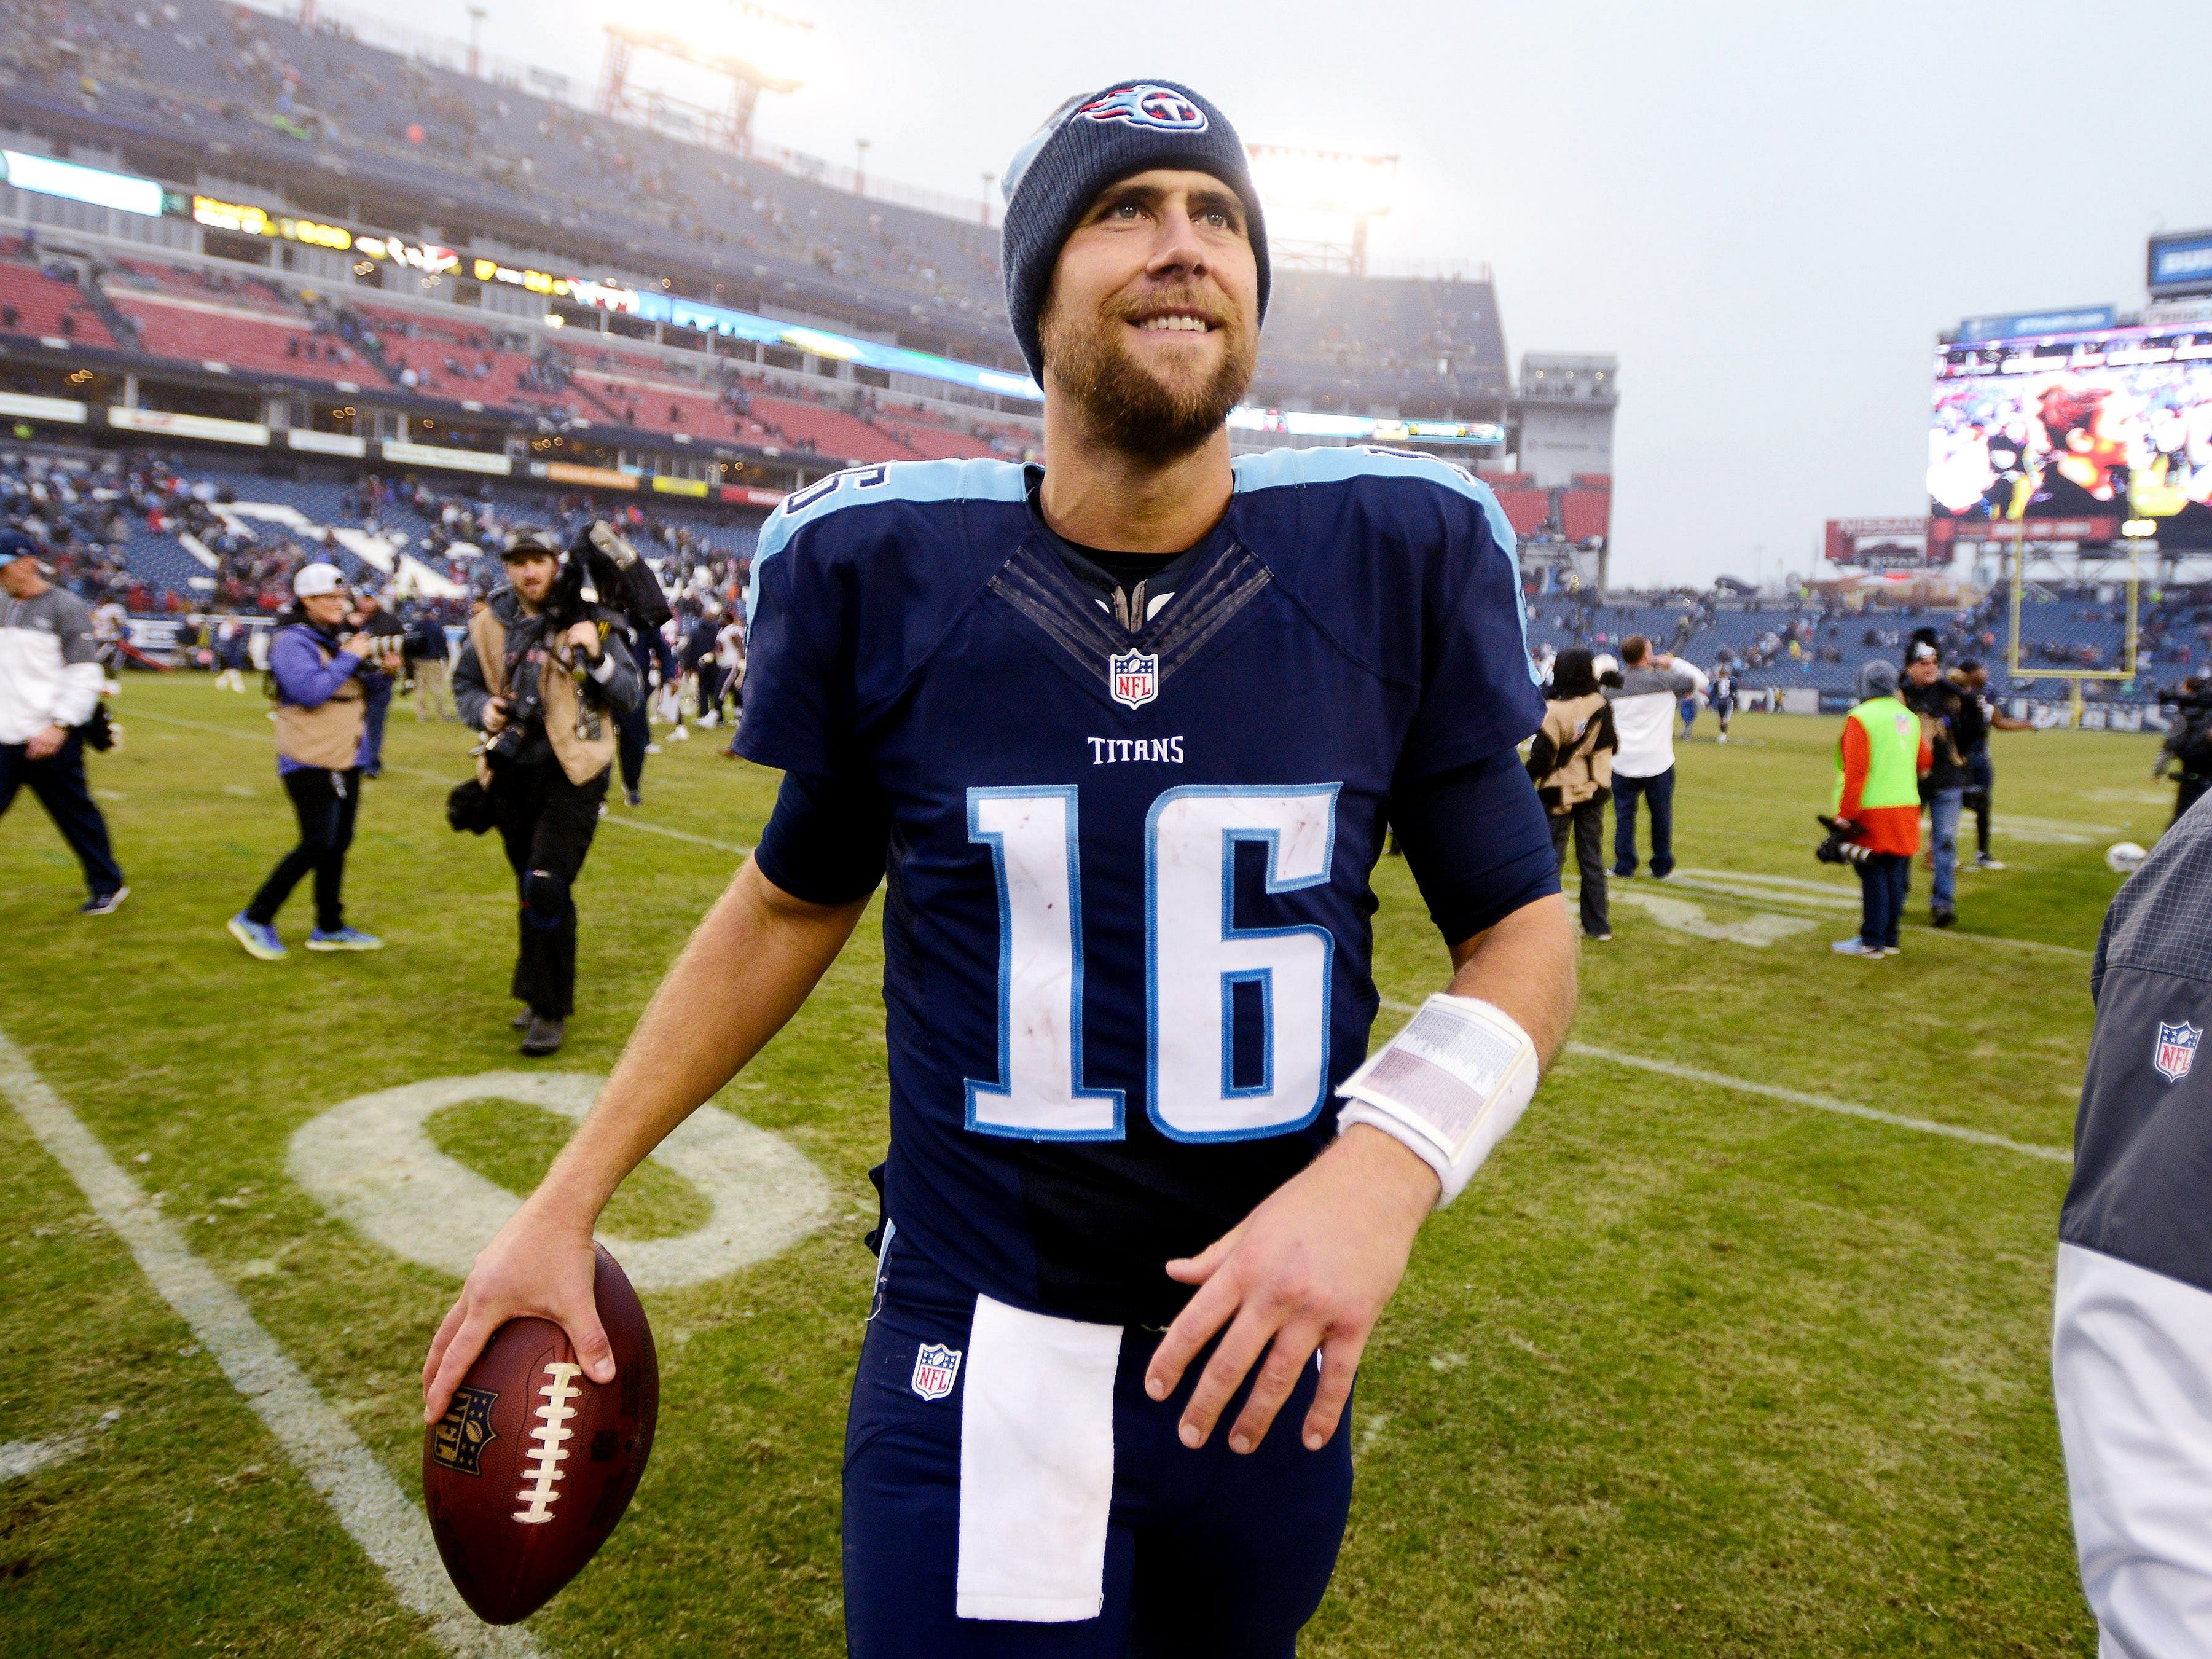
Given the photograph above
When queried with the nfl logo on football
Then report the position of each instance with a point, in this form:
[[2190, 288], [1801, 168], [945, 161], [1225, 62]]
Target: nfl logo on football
[[2176, 1050], [1134, 677], [934, 1368]]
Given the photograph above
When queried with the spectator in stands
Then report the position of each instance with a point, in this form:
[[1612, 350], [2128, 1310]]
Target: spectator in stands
[[1977, 716], [1571, 758], [1942, 787], [49, 682], [1880, 756], [542, 698], [316, 664], [1644, 769]]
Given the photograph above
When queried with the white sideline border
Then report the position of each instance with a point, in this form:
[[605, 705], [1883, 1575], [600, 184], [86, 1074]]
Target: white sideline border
[[367, 1502], [1798, 1097]]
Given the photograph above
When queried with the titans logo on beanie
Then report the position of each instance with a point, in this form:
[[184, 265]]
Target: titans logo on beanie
[[1091, 142]]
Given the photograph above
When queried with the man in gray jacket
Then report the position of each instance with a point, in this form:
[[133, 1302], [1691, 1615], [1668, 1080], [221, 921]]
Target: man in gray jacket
[[1644, 718], [2131, 1349], [49, 681]]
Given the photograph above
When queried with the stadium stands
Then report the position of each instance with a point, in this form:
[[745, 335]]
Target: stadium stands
[[194, 74], [42, 306]]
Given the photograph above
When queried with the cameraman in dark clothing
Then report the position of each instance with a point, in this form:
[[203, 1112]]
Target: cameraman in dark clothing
[[2187, 750], [544, 675], [1943, 787]]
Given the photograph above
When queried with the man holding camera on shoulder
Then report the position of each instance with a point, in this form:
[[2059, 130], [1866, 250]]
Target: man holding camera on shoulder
[[544, 676]]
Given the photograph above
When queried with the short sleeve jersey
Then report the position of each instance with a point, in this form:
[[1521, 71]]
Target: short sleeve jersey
[[1126, 941]]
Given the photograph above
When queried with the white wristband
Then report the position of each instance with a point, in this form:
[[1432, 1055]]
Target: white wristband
[[1448, 1087]]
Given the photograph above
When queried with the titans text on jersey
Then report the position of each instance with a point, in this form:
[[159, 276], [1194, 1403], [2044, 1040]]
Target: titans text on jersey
[[1120, 996]]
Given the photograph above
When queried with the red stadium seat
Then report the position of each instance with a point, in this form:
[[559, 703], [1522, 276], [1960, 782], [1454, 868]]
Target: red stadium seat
[[1586, 514]]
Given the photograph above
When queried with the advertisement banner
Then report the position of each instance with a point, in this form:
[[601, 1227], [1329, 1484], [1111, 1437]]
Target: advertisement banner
[[2181, 262], [24, 407], [596, 477], [693, 487], [161, 423], [751, 496], [325, 443], [454, 460], [2031, 325], [1884, 545]]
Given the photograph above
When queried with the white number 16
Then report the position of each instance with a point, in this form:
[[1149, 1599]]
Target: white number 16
[[1195, 958]]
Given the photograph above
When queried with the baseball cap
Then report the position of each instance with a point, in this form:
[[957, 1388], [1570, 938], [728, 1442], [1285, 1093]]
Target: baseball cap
[[317, 579], [14, 544]]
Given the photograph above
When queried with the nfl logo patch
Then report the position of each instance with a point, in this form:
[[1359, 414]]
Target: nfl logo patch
[[934, 1367], [2176, 1050], [1133, 679]]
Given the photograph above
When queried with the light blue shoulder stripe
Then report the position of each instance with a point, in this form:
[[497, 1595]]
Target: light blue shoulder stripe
[[970, 480], [1278, 469]]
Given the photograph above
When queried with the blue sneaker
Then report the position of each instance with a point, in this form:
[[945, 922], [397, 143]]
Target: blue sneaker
[[344, 938], [259, 939]]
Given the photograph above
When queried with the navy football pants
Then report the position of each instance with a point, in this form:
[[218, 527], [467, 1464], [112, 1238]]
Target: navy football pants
[[1206, 1552]]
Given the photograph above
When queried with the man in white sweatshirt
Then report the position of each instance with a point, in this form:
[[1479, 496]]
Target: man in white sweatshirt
[[50, 681], [1644, 718]]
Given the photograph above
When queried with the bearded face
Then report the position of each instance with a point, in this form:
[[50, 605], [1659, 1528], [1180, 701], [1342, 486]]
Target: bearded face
[[1151, 330]]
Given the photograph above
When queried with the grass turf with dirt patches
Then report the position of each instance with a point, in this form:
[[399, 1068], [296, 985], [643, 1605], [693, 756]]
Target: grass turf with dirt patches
[[1688, 1371]]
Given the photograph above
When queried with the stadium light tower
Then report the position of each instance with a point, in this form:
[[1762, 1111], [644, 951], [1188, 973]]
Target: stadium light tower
[[1329, 183], [751, 48]]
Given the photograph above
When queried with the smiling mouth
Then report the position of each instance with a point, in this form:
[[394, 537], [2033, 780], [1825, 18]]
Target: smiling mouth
[[1173, 322]]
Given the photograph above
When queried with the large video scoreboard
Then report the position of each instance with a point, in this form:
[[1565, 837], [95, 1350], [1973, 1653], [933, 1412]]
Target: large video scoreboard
[[2099, 423]]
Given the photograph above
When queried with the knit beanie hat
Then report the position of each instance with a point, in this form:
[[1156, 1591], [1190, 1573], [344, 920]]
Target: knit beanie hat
[[1877, 679], [1091, 142]]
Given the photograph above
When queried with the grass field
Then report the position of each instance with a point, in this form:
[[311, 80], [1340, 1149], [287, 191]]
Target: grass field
[[1690, 1370]]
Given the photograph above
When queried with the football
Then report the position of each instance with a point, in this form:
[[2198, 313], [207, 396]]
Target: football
[[533, 1463]]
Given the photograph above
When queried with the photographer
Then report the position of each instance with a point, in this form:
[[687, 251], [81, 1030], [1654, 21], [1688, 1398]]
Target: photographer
[[544, 675], [1941, 706], [387, 640], [2187, 750], [1880, 756], [317, 667]]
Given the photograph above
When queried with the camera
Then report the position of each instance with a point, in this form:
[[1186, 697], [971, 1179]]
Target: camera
[[1840, 846], [601, 568]]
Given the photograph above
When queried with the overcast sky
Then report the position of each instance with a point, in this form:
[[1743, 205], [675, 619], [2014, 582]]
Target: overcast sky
[[1765, 211]]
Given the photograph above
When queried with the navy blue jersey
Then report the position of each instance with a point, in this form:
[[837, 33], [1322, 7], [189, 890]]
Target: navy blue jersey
[[1126, 944]]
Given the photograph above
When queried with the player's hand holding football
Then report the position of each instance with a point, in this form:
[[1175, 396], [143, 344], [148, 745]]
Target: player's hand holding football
[[540, 1265], [1311, 1268]]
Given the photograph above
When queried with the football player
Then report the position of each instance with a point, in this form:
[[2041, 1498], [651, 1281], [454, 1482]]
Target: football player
[[1127, 732]]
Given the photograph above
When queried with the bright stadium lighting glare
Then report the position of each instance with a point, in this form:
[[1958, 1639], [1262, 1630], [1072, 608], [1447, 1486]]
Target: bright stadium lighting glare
[[781, 49], [1324, 181]]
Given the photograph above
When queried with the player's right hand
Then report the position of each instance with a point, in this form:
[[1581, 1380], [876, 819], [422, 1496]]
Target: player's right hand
[[540, 1265]]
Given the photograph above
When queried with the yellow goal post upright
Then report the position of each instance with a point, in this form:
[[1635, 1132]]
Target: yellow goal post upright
[[2073, 677]]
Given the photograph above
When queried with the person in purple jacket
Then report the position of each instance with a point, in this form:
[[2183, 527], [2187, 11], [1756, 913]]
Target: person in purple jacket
[[315, 673]]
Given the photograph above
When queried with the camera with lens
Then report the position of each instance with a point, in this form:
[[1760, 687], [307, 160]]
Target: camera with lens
[[1841, 846], [602, 570], [526, 707]]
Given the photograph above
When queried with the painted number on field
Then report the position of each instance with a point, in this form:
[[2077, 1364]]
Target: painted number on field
[[372, 1162]]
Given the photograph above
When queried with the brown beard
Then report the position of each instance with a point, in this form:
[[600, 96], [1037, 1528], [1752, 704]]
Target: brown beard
[[1127, 408]]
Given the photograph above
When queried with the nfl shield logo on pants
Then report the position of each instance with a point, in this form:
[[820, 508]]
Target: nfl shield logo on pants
[[2176, 1050], [934, 1368], [1133, 679]]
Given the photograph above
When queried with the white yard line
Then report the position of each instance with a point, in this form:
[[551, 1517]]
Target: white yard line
[[21, 1457], [417, 772], [1797, 1098], [1790, 891], [367, 1500]]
